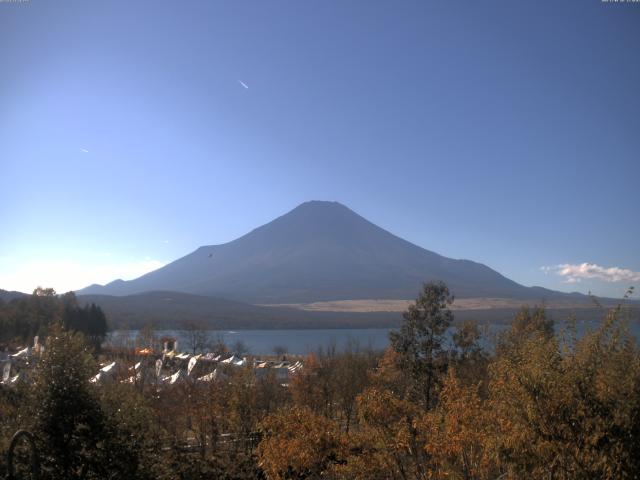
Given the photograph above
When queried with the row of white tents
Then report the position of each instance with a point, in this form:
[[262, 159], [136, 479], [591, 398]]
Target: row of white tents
[[184, 362], [109, 373], [23, 354], [21, 360]]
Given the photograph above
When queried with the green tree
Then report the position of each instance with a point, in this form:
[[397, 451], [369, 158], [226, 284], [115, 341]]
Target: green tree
[[133, 440], [420, 340], [90, 319], [69, 423]]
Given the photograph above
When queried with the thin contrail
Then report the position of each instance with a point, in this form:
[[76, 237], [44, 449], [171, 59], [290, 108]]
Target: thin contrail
[[243, 84]]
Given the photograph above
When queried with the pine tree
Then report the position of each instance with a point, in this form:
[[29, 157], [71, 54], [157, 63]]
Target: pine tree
[[69, 423], [420, 339]]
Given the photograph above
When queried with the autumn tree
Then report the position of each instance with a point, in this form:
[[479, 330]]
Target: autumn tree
[[528, 323], [198, 337], [239, 348], [298, 443], [147, 337], [313, 386], [387, 442], [350, 377], [280, 351], [218, 344], [568, 410], [241, 412], [458, 433], [468, 357], [24, 317]]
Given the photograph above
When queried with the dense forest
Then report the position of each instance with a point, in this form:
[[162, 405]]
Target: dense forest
[[537, 404], [28, 316]]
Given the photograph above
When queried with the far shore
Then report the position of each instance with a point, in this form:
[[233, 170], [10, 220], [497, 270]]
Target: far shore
[[367, 305]]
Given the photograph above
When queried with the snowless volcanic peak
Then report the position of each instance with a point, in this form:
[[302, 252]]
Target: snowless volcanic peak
[[319, 251]]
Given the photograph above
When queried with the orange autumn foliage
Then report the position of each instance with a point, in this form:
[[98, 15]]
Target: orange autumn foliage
[[458, 433], [298, 443]]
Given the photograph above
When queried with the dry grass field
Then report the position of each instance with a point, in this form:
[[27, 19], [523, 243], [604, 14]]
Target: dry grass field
[[382, 305]]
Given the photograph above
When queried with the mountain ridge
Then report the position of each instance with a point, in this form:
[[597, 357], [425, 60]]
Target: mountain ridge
[[9, 295], [320, 251]]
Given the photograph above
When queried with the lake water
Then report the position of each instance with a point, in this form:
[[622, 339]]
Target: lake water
[[300, 342]]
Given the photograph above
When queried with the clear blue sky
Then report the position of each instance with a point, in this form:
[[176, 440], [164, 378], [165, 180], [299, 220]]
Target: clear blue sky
[[504, 132]]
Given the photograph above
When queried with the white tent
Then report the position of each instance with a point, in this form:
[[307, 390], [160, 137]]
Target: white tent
[[6, 372], [109, 369], [233, 360], [178, 377], [217, 374], [24, 353], [100, 378], [192, 364], [105, 374], [16, 379], [295, 367]]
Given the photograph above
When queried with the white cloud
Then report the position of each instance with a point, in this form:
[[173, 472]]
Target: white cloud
[[66, 275], [574, 273]]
